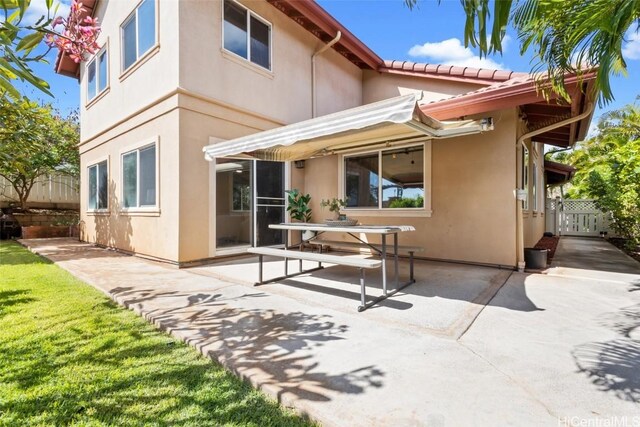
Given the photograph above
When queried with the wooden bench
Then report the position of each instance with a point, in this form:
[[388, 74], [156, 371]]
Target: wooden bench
[[360, 263], [411, 250]]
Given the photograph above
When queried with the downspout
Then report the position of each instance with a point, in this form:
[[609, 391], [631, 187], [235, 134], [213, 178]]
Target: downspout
[[324, 48], [519, 222]]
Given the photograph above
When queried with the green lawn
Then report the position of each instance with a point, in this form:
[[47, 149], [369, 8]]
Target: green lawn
[[68, 355]]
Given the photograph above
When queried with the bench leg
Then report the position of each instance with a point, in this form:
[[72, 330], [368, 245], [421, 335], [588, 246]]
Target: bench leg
[[411, 266], [383, 256], [363, 291], [395, 259]]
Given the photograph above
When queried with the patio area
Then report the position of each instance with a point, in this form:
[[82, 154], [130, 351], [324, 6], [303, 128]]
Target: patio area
[[460, 347], [444, 300]]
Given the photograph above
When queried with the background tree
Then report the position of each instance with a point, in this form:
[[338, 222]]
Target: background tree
[[18, 42], [608, 169], [567, 36], [35, 141]]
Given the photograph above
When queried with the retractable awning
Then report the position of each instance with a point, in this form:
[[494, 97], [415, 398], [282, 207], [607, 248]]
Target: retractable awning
[[392, 120]]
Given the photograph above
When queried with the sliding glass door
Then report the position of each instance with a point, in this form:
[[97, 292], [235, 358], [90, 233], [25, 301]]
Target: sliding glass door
[[270, 202], [249, 196]]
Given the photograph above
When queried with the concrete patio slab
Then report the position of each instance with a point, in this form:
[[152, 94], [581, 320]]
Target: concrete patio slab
[[444, 300], [545, 349]]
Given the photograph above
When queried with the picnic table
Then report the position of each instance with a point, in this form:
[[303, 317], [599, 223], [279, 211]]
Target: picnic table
[[384, 249]]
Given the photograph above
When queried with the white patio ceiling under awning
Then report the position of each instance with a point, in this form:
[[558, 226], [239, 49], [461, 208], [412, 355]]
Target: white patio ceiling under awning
[[392, 120]]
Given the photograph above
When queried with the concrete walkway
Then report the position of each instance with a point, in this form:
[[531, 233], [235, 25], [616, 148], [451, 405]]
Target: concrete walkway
[[547, 349]]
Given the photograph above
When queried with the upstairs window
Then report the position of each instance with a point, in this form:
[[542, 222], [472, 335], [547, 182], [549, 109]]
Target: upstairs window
[[386, 179], [97, 74], [98, 186], [246, 34], [138, 33]]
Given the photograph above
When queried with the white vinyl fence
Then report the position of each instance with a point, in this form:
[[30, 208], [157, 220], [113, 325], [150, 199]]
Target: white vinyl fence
[[48, 190], [576, 217]]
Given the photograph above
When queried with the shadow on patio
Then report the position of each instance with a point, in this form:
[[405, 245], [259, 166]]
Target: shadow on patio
[[444, 300], [271, 349]]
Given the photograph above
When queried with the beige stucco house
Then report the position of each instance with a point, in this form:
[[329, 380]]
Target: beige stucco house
[[174, 81]]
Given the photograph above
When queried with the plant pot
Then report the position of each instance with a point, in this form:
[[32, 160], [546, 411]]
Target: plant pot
[[535, 259], [308, 234]]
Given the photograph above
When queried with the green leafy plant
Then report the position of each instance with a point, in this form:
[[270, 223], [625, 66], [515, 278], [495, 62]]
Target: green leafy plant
[[334, 204], [408, 202], [566, 37], [298, 205], [608, 169]]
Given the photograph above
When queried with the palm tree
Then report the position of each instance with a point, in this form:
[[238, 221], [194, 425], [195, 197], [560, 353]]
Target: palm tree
[[567, 36]]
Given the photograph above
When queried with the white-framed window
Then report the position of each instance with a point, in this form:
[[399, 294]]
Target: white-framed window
[[139, 177], [97, 74], [138, 33], [534, 186], [98, 181], [246, 34], [385, 179], [525, 176]]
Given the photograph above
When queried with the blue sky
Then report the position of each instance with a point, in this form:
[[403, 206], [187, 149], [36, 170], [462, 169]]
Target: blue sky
[[430, 33]]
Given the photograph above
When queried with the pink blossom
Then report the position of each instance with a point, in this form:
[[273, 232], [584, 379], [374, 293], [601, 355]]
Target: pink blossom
[[79, 35]]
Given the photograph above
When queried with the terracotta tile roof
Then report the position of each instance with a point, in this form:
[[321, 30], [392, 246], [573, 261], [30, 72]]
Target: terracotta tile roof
[[450, 72]]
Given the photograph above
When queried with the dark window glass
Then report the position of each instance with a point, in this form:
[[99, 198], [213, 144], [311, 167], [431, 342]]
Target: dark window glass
[[93, 187], [91, 80], [146, 26], [403, 178], [260, 43], [270, 179], [103, 185], [361, 174], [235, 29], [148, 176], [130, 179], [129, 42], [102, 71]]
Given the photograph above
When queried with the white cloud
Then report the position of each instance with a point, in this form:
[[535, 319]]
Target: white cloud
[[631, 49], [38, 9], [506, 42], [452, 52]]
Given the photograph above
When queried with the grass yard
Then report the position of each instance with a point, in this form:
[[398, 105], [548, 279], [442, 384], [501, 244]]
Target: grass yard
[[70, 356]]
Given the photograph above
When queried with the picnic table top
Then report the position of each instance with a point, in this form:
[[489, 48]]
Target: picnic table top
[[369, 229]]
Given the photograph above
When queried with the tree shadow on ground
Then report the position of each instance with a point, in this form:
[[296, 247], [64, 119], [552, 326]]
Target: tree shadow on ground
[[12, 253], [270, 348], [612, 366], [12, 299], [118, 370]]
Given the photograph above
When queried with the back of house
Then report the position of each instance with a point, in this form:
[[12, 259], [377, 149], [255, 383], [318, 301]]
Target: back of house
[[174, 78]]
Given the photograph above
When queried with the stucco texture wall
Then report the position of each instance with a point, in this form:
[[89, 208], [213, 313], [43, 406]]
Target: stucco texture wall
[[533, 219], [473, 180], [378, 86], [153, 233], [284, 92], [155, 74]]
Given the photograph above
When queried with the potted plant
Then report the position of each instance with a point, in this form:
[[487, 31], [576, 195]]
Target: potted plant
[[299, 210], [334, 206]]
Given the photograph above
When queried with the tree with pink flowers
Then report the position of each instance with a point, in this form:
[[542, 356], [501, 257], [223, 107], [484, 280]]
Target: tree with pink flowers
[[75, 35]]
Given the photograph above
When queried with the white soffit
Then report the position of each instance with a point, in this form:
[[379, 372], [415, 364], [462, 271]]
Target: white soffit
[[393, 119]]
